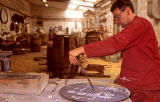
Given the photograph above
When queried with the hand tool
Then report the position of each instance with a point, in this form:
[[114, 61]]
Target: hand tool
[[68, 73], [83, 71]]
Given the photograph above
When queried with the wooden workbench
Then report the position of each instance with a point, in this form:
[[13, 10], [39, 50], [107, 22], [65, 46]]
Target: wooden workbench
[[51, 93]]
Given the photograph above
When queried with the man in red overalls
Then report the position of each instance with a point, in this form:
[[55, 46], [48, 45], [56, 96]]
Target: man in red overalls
[[140, 69]]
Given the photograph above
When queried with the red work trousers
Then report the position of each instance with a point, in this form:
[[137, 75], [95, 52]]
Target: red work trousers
[[145, 96]]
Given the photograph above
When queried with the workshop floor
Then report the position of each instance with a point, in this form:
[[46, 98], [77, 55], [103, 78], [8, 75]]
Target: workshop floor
[[26, 63]]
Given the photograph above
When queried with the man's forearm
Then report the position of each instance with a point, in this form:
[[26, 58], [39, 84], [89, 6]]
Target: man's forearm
[[74, 53], [77, 51]]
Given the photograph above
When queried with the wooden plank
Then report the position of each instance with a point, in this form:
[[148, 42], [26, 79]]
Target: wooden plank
[[96, 75], [23, 83]]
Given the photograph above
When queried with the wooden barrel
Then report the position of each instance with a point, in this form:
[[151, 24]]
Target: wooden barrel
[[36, 44], [44, 39], [57, 56], [92, 36]]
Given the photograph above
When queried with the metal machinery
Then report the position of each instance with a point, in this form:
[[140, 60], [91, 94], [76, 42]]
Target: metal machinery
[[5, 61]]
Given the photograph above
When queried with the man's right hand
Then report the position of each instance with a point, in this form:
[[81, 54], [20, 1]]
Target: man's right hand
[[74, 53]]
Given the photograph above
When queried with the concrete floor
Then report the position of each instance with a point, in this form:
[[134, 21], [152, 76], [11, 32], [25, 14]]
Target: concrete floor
[[26, 63]]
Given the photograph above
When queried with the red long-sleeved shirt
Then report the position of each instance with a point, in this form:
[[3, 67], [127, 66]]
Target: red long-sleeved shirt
[[140, 69]]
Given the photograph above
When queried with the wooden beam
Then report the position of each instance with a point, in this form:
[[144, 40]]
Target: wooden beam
[[59, 0]]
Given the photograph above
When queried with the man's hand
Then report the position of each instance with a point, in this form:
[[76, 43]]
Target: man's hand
[[74, 53], [116, 81]]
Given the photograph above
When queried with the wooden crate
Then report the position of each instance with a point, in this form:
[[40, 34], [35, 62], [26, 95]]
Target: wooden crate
[[23, 83]]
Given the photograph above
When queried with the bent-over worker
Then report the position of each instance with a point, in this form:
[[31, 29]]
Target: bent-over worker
[[140, 69]]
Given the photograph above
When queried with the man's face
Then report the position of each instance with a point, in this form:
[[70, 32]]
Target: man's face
[[121, 17]]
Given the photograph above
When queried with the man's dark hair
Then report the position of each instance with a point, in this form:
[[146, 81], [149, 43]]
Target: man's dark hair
[[121, 4]]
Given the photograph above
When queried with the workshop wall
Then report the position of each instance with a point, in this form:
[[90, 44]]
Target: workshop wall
[[20, 7], [6, 27], [155, 23], [51, 17], [74, 25]]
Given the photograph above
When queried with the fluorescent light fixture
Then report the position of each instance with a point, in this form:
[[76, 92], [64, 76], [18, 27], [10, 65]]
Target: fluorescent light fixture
[[82, 3], [82, 8], [44, 0], [91, 0], [72, 6], [85, 8], [73, 14], [46, 5]]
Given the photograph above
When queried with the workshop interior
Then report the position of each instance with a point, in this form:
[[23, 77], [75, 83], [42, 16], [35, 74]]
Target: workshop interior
[[36, 37]]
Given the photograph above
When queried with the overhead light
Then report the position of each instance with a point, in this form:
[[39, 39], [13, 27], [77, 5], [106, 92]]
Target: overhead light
[[46, 5], [73, 14], [82, 3], [72, 6], [82, 8], [91, 0], [44, 0]]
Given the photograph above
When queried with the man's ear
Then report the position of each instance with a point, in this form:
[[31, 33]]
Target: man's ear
[[128, 10]]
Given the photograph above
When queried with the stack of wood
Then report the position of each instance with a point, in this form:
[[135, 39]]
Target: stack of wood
[[23, 83], [96, 70], [92, 36]]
